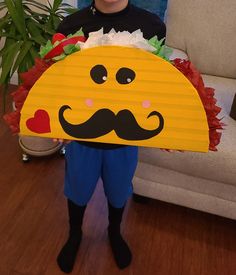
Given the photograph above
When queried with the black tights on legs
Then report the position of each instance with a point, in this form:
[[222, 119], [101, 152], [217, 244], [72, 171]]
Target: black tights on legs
[[120, 249], [67, 255]]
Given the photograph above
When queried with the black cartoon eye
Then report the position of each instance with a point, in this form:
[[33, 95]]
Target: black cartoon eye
[[98, 74], [125, 76]]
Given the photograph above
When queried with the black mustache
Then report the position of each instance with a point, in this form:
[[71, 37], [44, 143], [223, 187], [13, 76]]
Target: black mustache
[[104, 121]]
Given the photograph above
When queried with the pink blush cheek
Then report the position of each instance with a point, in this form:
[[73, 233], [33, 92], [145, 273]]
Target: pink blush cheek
[[146, 104], [89, 102]]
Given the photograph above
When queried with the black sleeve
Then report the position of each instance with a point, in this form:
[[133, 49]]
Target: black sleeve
[[159, 28], [162, 31], [153, 26]]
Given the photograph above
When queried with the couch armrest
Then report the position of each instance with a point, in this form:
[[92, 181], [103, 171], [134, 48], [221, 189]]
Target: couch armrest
[[178, 54]]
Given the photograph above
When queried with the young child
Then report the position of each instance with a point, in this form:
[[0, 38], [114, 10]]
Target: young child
[[87, 161]]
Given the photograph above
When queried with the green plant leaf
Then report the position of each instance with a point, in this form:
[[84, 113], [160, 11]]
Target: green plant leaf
[[15, 37], [26, 46], [56, 4], [26, 64], [30, 61], [12, 31], [39, 39], [4, 20], [5, 50], [16, 11], [45, 29], [23, 67], [8, 61], [56, 22], [34, 53], [35, 32], [49, 23], [23, 40]]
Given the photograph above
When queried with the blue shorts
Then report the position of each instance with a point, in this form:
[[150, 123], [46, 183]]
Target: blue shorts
[[85, 165]]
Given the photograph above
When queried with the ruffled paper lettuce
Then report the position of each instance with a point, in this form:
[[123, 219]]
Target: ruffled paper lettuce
[[61, 46], [207, 97], [124, 38]]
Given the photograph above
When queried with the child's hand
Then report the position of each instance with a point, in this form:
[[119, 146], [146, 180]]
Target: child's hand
[[171, 151], [66, 141], [167, 150]]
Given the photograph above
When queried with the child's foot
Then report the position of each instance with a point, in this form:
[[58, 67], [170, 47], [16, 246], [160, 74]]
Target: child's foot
[[120, 249], [67, 256]]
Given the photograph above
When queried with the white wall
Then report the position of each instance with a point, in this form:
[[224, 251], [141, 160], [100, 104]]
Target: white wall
[[71, 2]]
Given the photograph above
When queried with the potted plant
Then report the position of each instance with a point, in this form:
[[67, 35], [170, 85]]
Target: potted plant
[[25, 26]]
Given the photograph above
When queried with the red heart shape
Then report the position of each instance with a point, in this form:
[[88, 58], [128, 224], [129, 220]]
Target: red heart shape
[[40, 123]]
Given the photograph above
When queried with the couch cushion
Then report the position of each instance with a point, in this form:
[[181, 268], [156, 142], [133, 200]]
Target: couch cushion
[[205, 30], [218, 166]]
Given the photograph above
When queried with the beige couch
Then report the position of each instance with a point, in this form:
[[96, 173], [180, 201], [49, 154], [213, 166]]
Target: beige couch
[[204, 32]]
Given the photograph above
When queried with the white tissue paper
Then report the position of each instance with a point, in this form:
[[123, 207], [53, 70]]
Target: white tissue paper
[[124, 38]]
